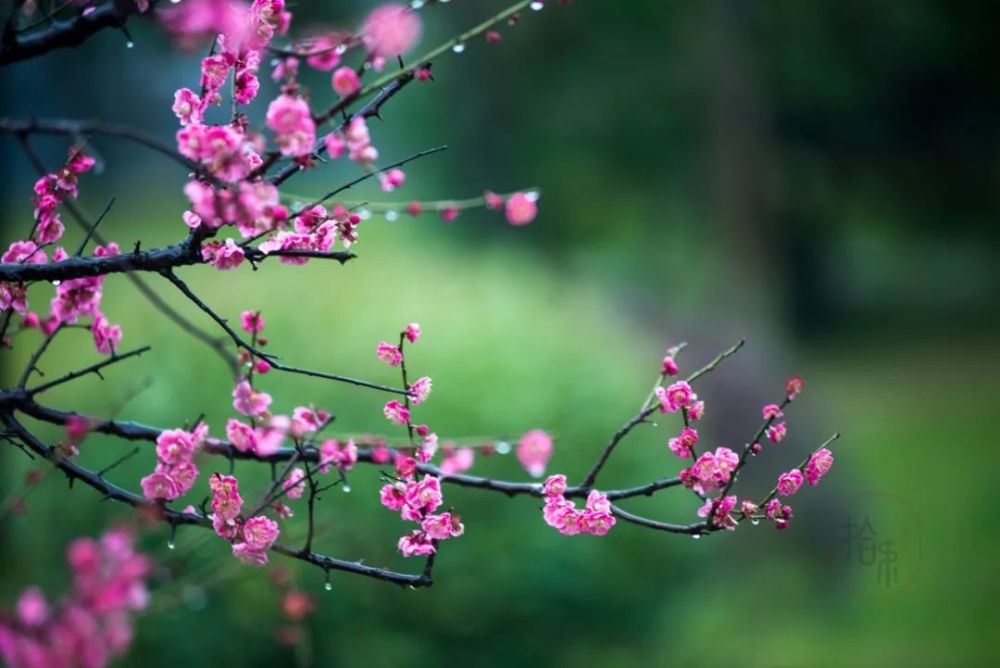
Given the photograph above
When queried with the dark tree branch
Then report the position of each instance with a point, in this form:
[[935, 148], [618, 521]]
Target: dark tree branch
[[133, 431], [93, 368], [63, 34], [176, 518], [642, 415], [157, 302], [693, 529], [271, 359]]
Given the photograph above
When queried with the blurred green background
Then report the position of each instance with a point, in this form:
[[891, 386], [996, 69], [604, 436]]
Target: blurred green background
[[819, 177]]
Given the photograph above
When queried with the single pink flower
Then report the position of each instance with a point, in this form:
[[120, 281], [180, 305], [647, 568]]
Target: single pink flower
[[294, 484], [252, 322], [390, 30], [420, 390], [412, 332], [520, 209], [555, 485], [389, 353], [682, 445], [458, 461], [534, 451], [790, 482], [818, 465], [776, 433], [396, 412], [772, 412], [345, 81]]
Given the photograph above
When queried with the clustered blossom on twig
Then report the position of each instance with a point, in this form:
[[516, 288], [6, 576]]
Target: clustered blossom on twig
[[236, 214]]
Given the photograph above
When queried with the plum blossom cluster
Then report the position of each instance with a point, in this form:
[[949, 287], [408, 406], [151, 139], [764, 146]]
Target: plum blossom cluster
[[175, 472], [74, 298], [562, 514], [230, 188], [92, 626], [251, 537], [416, 501]]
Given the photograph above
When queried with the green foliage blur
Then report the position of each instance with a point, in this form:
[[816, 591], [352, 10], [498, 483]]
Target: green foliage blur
[[819, 177]]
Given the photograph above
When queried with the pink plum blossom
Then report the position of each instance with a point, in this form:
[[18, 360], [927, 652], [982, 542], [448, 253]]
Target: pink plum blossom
[[345, 81], [534, 451], [457, 460], [675, 397], [389, 353], [390, 30], [776, 433], [818, 465], [420, 390], [396, 412], [789, 482], [683, 444], [520, 209]]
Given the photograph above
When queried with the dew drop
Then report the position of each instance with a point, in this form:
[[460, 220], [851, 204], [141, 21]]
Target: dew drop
[[391, 215], [347, 489], [537, 6], [696, 536], [532, 195], [328, 586], [458, 48], [364, 214], [755, 522], [412, 588], [170, 545], [417, 4], [174, 2], [502, 447], [129, 44], [341, 49]]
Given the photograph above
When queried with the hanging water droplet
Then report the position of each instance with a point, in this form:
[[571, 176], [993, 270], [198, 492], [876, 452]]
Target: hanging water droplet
[[696, 536], [537, 6], [502, 447], [533, 195], [755, 521], [129, 44], [391, 215], [417, 4], [347, 489], [56, 283], [413, 588], [174, 2], [458, 48], [328, 586], [341, 49], [170, 545], [364, 214]]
